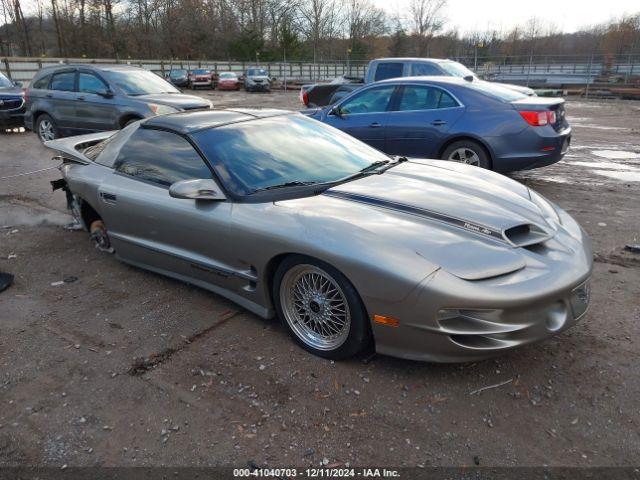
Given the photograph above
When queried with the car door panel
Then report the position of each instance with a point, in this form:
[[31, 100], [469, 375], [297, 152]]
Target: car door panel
[[364, 114], [367, 127], [189, 237], [94, 111], [420, 128], [61, 97]]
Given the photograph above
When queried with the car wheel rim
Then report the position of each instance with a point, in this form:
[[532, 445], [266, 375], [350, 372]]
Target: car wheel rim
[[315, 307], [465, 155], [45, 130]]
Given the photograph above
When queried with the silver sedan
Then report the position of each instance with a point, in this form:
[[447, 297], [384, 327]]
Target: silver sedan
[[350, 248]]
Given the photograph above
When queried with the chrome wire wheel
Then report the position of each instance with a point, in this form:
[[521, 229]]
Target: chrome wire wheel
[[315, 307], [46, 130], [465, 155]]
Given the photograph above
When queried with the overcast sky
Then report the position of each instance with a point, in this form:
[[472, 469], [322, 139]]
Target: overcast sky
[[567, 15]]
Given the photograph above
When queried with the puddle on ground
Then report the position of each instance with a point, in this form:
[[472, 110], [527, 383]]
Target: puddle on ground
[[606, 165], [20, 215], [624, 176], [615, 154]]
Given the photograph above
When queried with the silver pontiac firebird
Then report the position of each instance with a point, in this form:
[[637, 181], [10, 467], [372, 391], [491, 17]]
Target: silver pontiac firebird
[[420, 259]]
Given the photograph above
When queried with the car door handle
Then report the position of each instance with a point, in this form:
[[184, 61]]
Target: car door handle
[[48, 95], [82, 99], [438, 123], [375, 125], [108, 197]]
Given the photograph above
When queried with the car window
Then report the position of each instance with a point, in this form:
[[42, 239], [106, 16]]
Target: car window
[[139, 82], [160, 157], [4, 81], [388, 70], [249, 156], [63, 81], [42, 83], [373, 100], [424, 98], [424, 69], [89, 83], [496, 91]]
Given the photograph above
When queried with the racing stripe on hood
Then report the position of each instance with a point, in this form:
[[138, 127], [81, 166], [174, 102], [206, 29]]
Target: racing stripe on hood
[[411, 210]]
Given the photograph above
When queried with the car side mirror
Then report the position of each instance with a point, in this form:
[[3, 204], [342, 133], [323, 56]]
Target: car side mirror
[[468, 78], [199, 189], [106, 94], [337, 111], [18, 84]]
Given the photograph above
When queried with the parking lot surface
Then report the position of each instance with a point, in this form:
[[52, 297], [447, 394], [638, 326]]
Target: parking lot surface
[[119, 366]]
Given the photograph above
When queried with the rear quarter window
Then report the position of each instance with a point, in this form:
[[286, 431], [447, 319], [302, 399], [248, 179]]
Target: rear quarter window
[[495, 91], [42, 83], [388, 70], [63, 81], [160, 157]]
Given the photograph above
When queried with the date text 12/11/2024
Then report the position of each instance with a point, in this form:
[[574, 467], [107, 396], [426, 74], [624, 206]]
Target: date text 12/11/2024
[[316, 473]]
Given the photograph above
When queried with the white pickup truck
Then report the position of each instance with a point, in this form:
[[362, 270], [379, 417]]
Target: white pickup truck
[[321, 94]]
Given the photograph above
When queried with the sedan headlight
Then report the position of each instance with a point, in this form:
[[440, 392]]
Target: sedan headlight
[[162, 109]]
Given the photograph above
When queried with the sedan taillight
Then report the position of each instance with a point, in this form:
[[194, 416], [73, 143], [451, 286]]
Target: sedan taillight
[[539, 119], [304, 96]]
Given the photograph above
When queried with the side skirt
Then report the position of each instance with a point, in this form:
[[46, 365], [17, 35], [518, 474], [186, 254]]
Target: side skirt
[[253, 307]]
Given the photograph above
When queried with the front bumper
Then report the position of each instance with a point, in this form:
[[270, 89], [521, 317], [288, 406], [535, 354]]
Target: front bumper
[[258, 87], [12, 118], [446, 319]]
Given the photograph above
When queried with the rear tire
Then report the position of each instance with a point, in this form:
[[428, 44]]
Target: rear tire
[[320, 308], [46, 128], [469, 152]]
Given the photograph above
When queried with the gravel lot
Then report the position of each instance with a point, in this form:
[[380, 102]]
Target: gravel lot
[[124, 367]]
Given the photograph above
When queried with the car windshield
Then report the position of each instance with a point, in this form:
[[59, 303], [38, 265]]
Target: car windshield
[[201, 72], [140, 82], [495, 90], [227, 75], [456, 69], [286, 150], [256, 71], [4, 81], [178, 73]]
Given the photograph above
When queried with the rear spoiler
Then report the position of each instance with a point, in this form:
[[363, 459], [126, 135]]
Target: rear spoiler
[[537, 103], [72, 148]]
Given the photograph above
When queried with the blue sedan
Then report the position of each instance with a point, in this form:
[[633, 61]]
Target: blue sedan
[[473, 122]]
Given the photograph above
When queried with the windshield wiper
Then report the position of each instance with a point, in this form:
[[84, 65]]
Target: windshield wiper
[[374, 166], [295, 183], [398, 161]]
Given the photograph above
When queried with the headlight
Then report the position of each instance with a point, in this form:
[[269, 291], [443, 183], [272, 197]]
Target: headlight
[[162, 109]]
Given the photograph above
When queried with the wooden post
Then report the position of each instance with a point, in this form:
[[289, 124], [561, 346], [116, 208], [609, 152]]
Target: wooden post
[[7, 68]]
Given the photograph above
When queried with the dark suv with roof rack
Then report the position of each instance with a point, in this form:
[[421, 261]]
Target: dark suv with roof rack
[[76, 99], [11, 103]]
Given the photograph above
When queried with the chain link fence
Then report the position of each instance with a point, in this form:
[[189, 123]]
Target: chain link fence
[[557, 71]]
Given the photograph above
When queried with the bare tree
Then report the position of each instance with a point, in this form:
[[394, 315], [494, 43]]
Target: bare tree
[[320, 20], [427, 19]]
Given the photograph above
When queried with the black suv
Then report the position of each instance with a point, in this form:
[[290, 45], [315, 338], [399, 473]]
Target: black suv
[[78, 99], [11, 103]]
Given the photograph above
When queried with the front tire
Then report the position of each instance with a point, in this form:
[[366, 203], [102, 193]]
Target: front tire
[[469, 152], [320, 308], [46, 128]]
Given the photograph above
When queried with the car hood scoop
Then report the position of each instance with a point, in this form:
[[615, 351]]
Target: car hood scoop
[[475, 200], [494, 212]]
